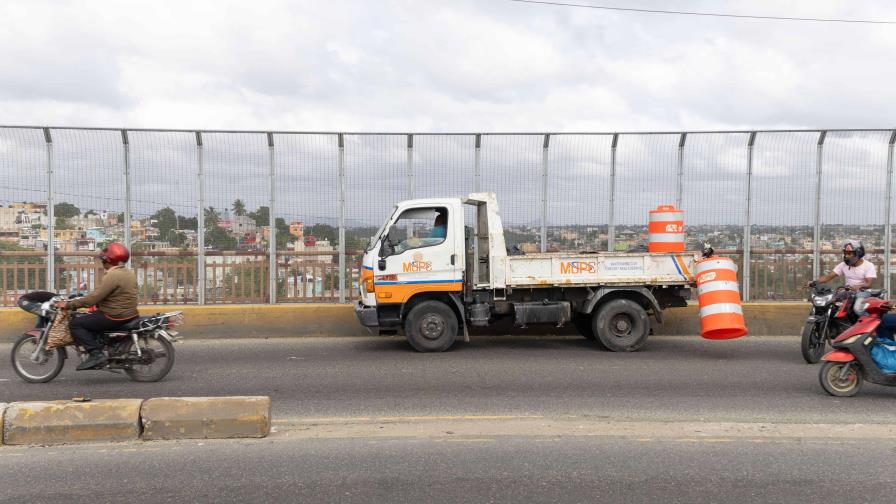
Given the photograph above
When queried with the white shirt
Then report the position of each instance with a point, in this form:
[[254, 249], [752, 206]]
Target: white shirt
[[856, 275]]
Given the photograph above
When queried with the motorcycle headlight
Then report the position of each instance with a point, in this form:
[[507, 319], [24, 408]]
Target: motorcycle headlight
[[822, 300]]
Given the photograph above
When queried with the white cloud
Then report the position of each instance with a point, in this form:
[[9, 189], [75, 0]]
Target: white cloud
[[465, 65]]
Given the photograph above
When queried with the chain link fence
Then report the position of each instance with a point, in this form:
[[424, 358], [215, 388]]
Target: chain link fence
[[267, 217]]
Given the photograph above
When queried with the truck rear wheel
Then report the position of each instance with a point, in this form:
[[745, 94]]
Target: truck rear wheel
[[621, 325], [431, 326]]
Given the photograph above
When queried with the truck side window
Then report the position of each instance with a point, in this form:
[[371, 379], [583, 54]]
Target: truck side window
[[421, 227]]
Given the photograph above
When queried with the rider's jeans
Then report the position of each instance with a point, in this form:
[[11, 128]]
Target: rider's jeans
[[887, 326], [86, 327]]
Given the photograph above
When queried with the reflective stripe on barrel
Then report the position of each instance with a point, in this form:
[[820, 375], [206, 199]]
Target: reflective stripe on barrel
[[721, 314], [666, 229]]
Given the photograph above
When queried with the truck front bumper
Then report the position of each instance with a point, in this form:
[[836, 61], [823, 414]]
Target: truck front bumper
[[366, 315]]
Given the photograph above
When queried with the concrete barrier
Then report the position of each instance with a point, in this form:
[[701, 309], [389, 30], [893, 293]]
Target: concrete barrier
[[58, 422], [303, 320], [206, 417], [2, 410]]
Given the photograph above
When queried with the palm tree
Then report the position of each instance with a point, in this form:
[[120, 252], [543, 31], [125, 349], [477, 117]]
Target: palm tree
[[239, 208], [212, 218]]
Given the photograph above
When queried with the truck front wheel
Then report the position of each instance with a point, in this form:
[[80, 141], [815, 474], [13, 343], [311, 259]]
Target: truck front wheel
[[621, 325], [431, 326]]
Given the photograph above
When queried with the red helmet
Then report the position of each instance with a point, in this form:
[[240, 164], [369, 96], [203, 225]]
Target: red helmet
[[115, 254]]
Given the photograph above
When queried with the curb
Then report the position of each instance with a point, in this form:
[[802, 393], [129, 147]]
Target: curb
[[206, 417], [117, 420]]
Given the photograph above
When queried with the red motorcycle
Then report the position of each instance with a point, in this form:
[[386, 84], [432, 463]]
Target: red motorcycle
[[851, 361]]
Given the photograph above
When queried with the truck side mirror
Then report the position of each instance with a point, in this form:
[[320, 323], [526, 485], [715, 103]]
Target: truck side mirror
[[381, 264]]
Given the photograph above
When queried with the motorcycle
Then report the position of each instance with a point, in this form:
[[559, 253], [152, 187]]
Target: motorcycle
[[851, 361], [143, 348], [833, 311]]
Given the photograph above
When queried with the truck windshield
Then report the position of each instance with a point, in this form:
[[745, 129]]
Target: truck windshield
[[379, 233]]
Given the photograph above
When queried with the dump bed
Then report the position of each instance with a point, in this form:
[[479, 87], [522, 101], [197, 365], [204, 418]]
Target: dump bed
[[560, 269]]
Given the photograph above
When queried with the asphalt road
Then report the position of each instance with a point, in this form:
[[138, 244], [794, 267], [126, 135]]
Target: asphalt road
[[482, 469], [751, 379], [500, 419]]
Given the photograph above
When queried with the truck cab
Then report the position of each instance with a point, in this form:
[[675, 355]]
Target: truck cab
[[433, 271]]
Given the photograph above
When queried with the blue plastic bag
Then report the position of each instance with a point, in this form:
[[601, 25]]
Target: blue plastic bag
[[884, 355]]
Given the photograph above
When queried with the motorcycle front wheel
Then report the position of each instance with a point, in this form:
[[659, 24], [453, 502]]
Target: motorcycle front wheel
[[35, 366], [833, 383], [155, 361], [812, 342]]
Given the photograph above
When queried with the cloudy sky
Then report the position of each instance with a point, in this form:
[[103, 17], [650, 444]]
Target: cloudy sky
[[444, 65]]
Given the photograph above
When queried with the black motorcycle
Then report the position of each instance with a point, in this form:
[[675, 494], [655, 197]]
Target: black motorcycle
[[833, 311], [142, 348]]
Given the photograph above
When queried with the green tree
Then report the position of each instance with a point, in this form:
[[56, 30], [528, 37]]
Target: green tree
[[324, 232], [166, 220], [261, 216], [283, 236], [239, 208], [212, 217], [61, 223], [65, 210]]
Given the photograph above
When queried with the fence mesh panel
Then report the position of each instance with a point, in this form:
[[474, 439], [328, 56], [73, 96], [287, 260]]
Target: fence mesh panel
[[89, 194], [782, 214], [237, 190], [164, 175], [23, 165], [578, 165], [564, 190], [511, 167], [307, 200], [851, 207]]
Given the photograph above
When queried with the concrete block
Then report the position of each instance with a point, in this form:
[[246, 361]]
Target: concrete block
[[206, 417], [2, 409], [59, 422]]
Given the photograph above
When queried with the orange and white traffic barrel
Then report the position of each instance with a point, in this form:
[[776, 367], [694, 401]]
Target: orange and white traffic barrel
[[721, 314], [666, 229]]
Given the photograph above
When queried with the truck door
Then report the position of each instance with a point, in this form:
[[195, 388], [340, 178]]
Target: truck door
[[419, 255]]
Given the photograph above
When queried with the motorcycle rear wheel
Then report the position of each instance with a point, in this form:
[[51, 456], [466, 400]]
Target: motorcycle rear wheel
[[49, 365], [833, 384], [161, 359], [812, 343]]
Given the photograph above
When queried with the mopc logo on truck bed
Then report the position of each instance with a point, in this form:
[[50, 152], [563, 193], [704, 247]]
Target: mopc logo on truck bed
[[417, 264], [577, 267]]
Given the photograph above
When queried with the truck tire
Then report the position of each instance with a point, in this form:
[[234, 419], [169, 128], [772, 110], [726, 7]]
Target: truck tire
[[431, 326], [621, 325]]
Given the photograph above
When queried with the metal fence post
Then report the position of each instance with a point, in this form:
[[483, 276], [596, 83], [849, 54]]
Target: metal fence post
[[341, 143], [127, 188], [544, 193], [51, 217], [272, 228], [679, 189], [888, 233], [816, 250], [410, 166], [200, 223], [476, 161], [745, 288], [476, 164], [611, 224]]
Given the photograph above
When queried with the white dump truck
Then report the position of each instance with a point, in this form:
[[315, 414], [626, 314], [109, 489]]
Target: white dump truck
[[428, 273]]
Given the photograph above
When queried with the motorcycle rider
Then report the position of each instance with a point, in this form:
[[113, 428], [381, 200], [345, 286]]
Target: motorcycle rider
[[116, 302], [857, 272]]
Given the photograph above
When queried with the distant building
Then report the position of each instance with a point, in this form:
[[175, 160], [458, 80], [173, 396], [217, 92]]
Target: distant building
[[297, 229]]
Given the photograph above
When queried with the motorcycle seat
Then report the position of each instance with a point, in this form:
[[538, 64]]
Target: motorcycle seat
[[133, 325]]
